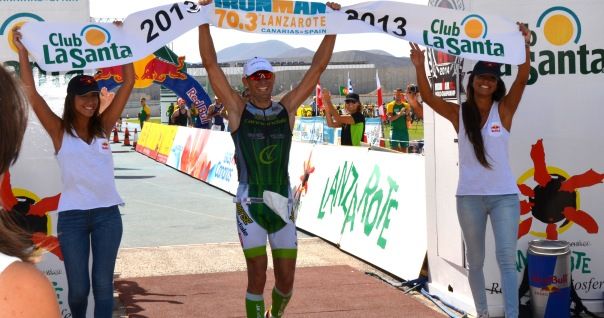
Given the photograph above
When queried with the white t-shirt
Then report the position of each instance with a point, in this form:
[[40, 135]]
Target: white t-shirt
[[474, 178], [87, 173]]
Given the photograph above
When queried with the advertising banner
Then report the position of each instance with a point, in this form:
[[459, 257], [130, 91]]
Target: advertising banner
[[18, 12], [354, 199], [220, 155], [67, 46], [165, 142], [60, 46], [373, 130]]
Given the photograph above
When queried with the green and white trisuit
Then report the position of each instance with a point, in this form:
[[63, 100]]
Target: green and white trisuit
[[262, 144]]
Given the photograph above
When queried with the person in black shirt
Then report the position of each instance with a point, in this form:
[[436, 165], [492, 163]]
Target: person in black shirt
[[181, 116]]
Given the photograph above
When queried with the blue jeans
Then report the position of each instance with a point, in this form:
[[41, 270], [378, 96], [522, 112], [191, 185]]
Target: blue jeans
[[504, 211], [100, 228]]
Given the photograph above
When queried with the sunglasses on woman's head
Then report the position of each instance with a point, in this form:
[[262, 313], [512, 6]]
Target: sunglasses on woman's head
[[261, 75]]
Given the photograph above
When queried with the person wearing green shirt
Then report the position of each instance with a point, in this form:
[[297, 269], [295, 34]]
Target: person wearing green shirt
[[169, 113], [398, 113], [145, 112]]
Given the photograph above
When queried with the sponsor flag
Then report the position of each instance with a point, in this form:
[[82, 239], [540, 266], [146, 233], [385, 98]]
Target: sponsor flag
[[350, 89], [380, 99], [319, 96]]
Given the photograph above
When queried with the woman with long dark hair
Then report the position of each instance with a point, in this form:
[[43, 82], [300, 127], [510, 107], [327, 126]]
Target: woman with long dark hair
[[21, 284], [88, 207], [486, 186]]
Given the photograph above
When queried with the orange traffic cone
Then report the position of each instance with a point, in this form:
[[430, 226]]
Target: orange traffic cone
[[134, 138], [116, 138], [127, 138]]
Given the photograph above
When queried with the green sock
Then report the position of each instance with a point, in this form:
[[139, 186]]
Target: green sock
[[280, 301], [254, 305]]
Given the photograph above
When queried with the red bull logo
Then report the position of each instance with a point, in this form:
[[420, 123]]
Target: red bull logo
[[549, 281], [158, 70], [113, 72]]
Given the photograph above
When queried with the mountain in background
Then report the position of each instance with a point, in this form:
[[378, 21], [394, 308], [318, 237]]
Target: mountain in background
[[279, 51], [245, 51]]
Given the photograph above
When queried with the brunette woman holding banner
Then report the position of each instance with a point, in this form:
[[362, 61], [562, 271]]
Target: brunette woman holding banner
[[487, 187]]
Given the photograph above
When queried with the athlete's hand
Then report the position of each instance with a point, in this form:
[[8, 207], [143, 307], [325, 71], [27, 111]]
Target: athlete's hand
[[204, 2], [334, 6]]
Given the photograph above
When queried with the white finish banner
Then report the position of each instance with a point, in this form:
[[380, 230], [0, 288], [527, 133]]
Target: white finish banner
[[62, 46], [69, 46], [17, 12]]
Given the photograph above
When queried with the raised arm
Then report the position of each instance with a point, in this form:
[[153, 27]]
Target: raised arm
[[319, 63], [335, 117], [115, 109], [446, 109], [329, 109], [49, 120], [510, 102], [231, 99], [415, 105]]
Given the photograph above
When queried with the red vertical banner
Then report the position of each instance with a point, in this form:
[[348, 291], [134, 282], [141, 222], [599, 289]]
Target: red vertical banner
[[319, 97], [380, 99]]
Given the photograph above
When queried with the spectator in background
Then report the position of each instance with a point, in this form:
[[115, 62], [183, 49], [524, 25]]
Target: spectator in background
[[353, 125], [21, 284], [216, 112], [413, 98], [169, 113], [181, 115], [398, 114], [195, 122], [145, 113]]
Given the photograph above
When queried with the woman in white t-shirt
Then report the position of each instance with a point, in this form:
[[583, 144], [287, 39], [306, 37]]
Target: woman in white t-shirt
[[24, 291], [89, 218], [486, 187]]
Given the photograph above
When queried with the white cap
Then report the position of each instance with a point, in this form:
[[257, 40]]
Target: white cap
[[256, 64]]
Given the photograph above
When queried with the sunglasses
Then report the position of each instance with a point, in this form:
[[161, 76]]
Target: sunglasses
[[260, 75]]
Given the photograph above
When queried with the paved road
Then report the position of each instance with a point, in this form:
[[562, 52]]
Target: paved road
[[167, 207]]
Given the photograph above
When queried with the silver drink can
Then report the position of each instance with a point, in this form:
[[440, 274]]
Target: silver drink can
[[549, 278]]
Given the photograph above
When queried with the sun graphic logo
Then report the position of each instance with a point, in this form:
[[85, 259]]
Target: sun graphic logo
[[556, 47], [554, 198], [30, 212], [474, 26], [560, 25], [95, 35], [19, 20]]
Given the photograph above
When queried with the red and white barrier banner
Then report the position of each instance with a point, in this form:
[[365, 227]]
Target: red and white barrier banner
[[68, 46]]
